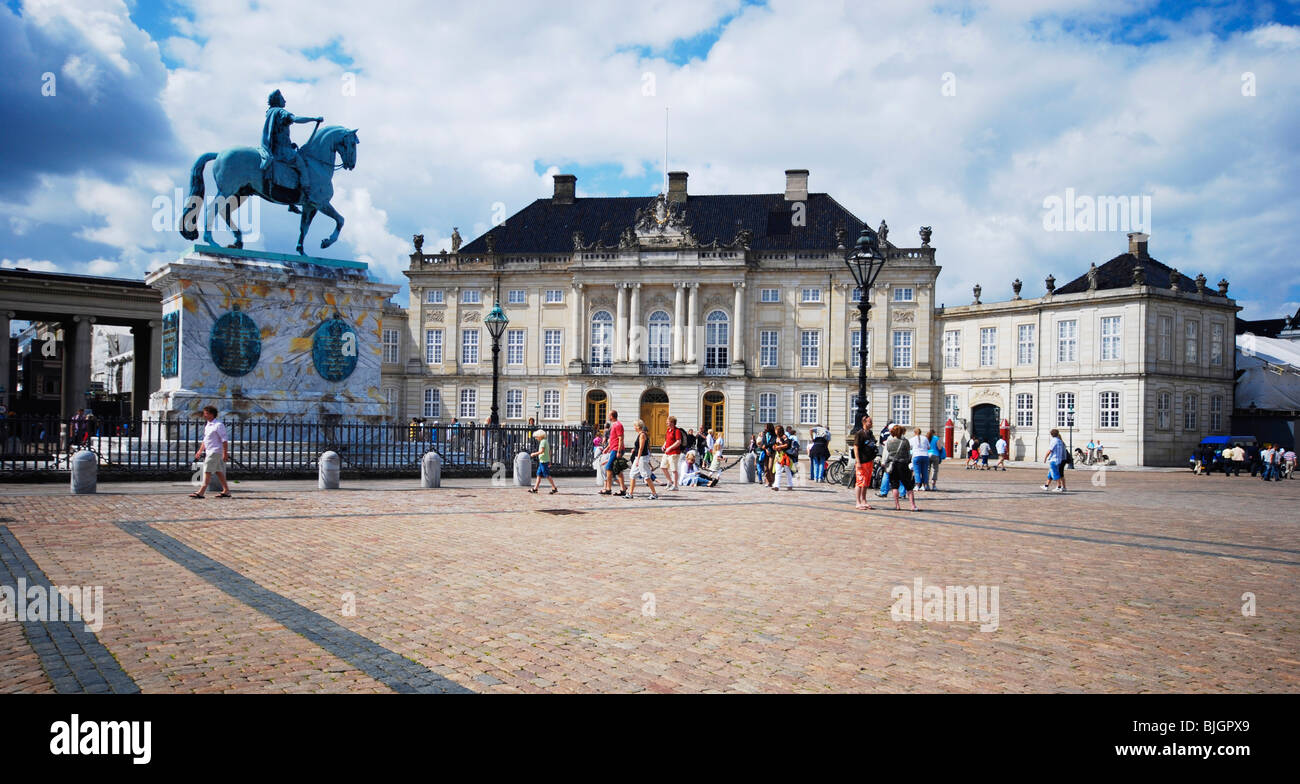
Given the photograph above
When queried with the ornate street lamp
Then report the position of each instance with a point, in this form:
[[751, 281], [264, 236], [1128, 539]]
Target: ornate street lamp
[[496, 321], [865, 261]]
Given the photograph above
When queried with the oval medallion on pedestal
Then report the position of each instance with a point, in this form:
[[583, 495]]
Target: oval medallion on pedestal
[[235, 344], [334, 349]]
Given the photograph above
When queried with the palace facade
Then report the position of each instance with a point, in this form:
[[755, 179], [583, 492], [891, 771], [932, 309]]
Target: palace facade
[[731, 311]]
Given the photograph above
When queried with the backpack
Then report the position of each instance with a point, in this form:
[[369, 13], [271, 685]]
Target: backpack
[[793, 449]]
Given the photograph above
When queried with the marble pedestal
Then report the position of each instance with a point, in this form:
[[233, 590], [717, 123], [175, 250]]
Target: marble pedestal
[[269, 336]]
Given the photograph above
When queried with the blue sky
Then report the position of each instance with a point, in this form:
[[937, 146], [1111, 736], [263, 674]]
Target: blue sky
[[461, 108]]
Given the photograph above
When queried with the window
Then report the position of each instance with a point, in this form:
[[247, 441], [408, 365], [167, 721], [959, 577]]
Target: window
[[1164, 402], [855, 343], [514, 347], [856, 296], [808, 408], [1067, 341], [1190, 406], [390, 398], [1216, 414], [900, 409], [904, 294], [1216, 344], [769, 295], [1166, 345], [766, 407], [716, 340], [392, 344], [1191, 342], [768, 346], [551, 342], [810, 341], [952, 349], [1108, 409], [516, 297], [469, 347], [1065, 409], [951, 408], [1110, 347], [432, 403], [659, 339], [433, 347], [514, 404], [471, 297], [551, 404], [1024, 410], [469, 404], [854, 420], [902, 348], [988, 346], [1025, 344], [434, 296], [811, 295], [554, 296], [602, 338]]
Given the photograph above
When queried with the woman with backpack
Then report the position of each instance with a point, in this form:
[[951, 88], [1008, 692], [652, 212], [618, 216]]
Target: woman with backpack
[[898, 464]]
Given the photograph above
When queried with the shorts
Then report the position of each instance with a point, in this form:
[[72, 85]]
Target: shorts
[[641, 468], [865, 471], [214, 464], [902, 477], [543, 470], [1053, 470], [609, 462], [669, 463]]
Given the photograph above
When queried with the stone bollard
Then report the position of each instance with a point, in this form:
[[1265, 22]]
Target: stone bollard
[[431, 471], [523, 470], [749, 467], [85, 472], [327, 477]]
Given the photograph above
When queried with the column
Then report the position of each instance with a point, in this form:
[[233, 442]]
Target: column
[[620, 324], [155, 357], [635, 330], [6, 386], [76, 365], [142, 366], [679, 313], [738, 325], [577, 308], [693, 321]]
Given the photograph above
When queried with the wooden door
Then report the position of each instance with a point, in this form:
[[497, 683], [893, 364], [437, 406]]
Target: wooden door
[[656, 422]]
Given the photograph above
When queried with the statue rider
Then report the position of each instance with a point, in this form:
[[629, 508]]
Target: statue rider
[[276, 144]]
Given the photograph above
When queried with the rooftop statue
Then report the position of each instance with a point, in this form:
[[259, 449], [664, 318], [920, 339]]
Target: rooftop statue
[[278, 171]]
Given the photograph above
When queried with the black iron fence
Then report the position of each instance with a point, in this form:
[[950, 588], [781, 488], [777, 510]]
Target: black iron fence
[[44, 445]]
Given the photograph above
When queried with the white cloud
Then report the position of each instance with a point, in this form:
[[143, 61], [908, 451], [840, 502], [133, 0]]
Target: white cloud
[[35, 265]]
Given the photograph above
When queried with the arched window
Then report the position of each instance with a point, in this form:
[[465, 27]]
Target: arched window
[[602, 339], [716, 340], [660, 330]]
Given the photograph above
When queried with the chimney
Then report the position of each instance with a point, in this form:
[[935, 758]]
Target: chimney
[[1137, 244], [796, 185], [566, 186], [677, 186]]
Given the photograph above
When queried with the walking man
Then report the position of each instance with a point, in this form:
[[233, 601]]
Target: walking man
[[1055, 460], [214, 452], [1002, 454], [613, 450], [672, 451]]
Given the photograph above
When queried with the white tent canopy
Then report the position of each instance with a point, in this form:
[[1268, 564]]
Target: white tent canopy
[[1271, 380]]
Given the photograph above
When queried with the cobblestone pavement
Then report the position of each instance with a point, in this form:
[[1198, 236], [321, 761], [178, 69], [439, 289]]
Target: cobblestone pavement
[[1134, 584]]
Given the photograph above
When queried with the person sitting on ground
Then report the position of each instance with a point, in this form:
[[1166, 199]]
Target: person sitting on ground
[[693, 475]]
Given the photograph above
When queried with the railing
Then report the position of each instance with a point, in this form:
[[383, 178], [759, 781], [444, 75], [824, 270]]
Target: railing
[[716, 370], [42, 445], [600, 368], [654, 368]]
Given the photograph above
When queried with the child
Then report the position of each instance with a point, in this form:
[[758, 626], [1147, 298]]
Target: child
[[543, 455]]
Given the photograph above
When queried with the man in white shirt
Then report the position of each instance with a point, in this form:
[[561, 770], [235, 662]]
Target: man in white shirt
[[985, 449], [214, 451], [1002, 454]]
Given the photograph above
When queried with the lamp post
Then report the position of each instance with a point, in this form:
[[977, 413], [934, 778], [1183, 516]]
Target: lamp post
[[751, 419], [865, 261], [496, 321], [1071, 423]]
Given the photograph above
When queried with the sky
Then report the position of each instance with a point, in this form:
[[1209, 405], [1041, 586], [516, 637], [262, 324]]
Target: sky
[[968, 117]]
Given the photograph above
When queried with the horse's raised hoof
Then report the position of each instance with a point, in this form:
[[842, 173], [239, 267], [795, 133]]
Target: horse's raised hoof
[[325, 243]]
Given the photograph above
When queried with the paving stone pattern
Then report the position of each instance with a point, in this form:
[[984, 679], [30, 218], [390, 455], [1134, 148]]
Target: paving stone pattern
[[1134, 585]]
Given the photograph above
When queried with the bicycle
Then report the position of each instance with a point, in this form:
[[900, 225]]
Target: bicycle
[[841, 469]]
